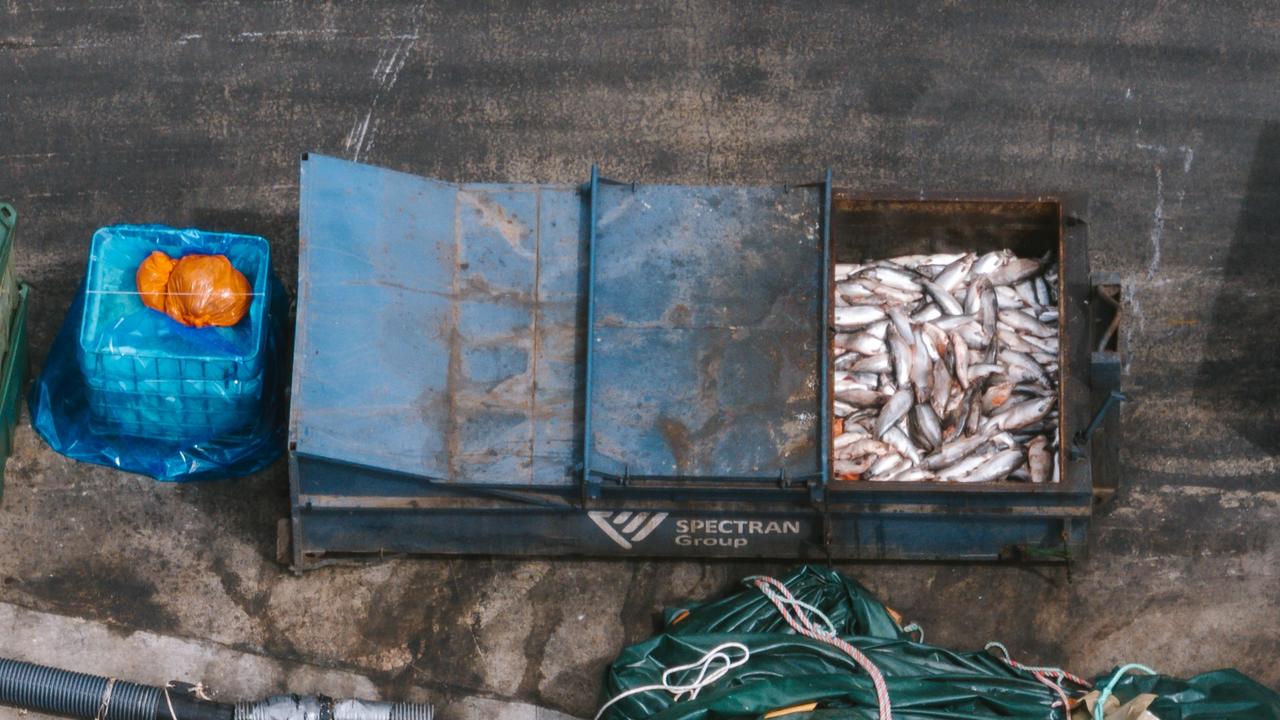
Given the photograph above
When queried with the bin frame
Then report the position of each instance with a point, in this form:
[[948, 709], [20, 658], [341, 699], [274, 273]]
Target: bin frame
[[670, 517]]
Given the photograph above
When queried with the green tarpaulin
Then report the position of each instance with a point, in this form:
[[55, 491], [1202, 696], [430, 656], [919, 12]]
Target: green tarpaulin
[[786, 670]]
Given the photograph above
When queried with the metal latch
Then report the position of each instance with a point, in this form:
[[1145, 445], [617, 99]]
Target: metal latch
[[1082, 438]]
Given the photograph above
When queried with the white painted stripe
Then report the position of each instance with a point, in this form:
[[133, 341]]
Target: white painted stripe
[[601, 519], [635, 523], [653, 525]]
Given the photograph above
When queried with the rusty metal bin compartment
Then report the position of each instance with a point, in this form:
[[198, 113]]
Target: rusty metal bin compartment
[[704, 332], [867, 227]]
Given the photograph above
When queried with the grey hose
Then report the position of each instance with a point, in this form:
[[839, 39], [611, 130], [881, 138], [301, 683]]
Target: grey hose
[[71, 694], [313, 707], [91, 697]]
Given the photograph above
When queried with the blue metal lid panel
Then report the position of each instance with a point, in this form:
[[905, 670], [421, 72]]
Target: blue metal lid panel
[[706, 332], [437, 325]]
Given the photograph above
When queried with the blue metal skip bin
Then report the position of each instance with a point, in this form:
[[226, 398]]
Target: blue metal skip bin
[[624, 369]]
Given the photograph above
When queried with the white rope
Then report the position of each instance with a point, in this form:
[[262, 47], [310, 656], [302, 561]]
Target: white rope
[[706, 675], [801, 623], [105, 703], [173, 715], [829, 630]]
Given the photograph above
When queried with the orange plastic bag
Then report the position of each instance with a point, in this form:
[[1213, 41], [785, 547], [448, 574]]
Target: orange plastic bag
[[195, 290]]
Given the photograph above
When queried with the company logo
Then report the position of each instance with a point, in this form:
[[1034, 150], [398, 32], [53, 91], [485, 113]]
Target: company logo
[[729, 532], [626, 528]]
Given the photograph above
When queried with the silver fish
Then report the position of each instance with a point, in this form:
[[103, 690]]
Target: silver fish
[[873, 363], [893, 411], [953, 451], [1042, 292], [863, 343], [861, 398], [877, 329], [986, 264], [951, 322], [852, 467], [928, 426], [974, 420], [859, 447], [1024, 323], [920, 367], [1014, 271], [858, 315], [928, 314], [941, 381], [982, 370], [1027, 293], [1038, 459], [901, 323], [1000, 465], [960, 359], [912, 475], [944, 299], [1043, 344], [1023, 414], [988, 314], [962, 467], [973, 296], [995, 396], [854, 289], [887, 464], [1008, 299], [900, 349], [896, 279], [973, 336], [902, 443], [953, 274]]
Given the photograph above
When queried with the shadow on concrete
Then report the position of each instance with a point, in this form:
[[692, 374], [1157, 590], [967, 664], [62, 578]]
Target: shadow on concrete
[[1240, 374]]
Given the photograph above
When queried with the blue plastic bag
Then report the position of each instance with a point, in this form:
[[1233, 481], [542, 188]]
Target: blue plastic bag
[[146, 394]]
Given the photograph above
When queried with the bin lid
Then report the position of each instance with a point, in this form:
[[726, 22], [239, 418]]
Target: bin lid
[[706, 331], [437, 325]]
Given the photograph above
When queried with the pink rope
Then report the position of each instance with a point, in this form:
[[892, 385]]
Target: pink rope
[[1042, 675], [784, 600]]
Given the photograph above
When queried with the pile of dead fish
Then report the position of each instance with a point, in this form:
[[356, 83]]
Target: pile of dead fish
[[946, 369]]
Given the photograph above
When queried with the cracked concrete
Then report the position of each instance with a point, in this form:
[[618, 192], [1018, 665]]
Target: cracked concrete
[[168, 112]]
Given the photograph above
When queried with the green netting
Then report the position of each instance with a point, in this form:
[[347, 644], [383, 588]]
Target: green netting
[[786, 670]]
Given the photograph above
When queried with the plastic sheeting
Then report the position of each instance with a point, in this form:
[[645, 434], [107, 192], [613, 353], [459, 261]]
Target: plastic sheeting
[[1221, 695], [786, 672], [65, 415]]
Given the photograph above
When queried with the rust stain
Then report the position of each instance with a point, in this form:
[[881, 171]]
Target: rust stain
[[679, 315], [476, 287], [677, 437], [492, 215]]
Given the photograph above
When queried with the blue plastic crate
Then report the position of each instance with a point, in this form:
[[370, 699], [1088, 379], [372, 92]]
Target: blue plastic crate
[[171, 417], [127, 347]]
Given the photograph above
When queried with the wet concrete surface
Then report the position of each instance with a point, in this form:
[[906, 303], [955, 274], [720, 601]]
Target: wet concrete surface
[[1165, 115]]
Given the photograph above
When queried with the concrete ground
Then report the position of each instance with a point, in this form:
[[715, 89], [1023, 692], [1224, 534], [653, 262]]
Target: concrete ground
[[1167, 115]]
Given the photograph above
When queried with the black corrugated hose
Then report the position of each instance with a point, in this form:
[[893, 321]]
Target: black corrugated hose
[[92, 697]]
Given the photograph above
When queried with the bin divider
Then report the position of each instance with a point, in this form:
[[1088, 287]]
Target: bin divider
[[592, 197], [824, 370]]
